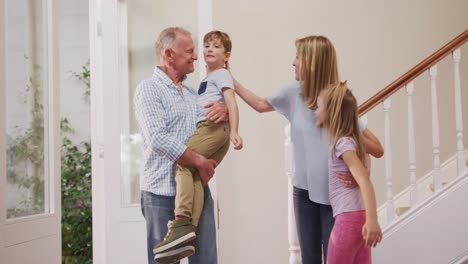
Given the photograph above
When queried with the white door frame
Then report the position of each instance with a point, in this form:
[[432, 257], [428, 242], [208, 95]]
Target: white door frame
[[35, 239], [114, 226], [3, 178], [117, 227]]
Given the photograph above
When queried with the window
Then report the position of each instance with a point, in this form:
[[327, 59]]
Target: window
[[26, 108]]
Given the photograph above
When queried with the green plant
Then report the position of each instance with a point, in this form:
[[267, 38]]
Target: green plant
[[76, 202], [76, 192], [85, 77]]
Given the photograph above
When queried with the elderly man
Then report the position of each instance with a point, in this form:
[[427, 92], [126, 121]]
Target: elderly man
[[166, 112]]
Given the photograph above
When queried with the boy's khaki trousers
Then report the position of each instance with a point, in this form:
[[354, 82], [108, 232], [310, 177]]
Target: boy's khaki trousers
[[212, 141]]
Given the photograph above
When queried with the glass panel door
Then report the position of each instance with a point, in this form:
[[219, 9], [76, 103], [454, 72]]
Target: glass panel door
[[26, 108], [30, 133]]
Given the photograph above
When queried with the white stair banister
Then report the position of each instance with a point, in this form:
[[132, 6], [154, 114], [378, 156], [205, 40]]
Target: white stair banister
[[411, 146], [458, 113], [435, 129], [294, 248], [388, 161]]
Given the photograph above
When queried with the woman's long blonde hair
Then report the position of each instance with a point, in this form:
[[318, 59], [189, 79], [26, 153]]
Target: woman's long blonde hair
[[318, 66], [342, 109]]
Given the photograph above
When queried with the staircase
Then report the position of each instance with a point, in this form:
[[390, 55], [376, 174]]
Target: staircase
[[434, 231], [425, 189], [425, 222]]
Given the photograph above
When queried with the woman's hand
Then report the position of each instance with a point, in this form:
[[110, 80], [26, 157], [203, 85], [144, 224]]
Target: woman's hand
[[347, 179]]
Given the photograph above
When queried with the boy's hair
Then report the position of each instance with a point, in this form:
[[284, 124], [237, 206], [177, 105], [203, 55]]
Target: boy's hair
[[318, 66], [342, 109], [167, 39], [223, 38]]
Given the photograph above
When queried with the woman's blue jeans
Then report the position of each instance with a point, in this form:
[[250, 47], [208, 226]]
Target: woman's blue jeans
[[314, 223]]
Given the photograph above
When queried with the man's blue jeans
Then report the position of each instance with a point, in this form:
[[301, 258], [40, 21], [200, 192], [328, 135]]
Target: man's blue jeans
[[158, 210], [314, 223]]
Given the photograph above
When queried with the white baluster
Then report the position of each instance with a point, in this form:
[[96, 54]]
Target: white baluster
[[458, 113], [388, 161], [411, 146], [294, 248], [435, 129]]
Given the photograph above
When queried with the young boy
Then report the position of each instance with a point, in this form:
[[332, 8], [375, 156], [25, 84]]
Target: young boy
[[210, 140]]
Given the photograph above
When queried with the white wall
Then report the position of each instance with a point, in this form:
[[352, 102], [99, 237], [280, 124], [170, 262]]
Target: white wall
[[74, 53], [376, 42]]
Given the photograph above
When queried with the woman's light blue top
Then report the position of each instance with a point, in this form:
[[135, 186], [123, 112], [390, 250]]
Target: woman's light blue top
[[310, 143]]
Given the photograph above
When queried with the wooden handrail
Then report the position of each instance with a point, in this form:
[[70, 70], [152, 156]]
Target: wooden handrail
[[430, 61]]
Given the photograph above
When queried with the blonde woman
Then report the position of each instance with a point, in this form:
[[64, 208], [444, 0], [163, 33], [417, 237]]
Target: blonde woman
[[315, 68]]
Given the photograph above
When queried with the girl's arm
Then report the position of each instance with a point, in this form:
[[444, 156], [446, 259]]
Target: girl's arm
[[371, 229], [260, 104], [348, 180], [230, 99], [373, 147], [372, 144]]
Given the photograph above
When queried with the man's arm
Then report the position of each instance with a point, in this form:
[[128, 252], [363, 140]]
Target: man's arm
[[150, 114], [151, 118], [204, 166], [217, 112]]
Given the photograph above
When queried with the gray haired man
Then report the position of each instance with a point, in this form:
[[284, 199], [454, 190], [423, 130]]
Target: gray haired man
[[166, 112]]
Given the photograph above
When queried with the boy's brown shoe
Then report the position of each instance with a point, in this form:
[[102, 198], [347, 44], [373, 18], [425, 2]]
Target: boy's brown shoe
[[173, 256], [179, 233]]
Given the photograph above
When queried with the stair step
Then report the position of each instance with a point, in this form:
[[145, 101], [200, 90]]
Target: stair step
[[401, 210], [431, 186]]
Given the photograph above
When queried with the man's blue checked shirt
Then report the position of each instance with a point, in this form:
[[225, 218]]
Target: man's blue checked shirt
[[167, 118]]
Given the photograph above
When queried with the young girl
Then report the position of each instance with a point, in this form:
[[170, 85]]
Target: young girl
[[356, 228]]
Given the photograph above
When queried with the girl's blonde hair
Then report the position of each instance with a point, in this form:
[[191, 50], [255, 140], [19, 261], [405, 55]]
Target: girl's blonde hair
[[342, 109], [318, 66]]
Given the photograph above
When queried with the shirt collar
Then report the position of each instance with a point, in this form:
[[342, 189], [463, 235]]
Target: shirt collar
[[159, 74]]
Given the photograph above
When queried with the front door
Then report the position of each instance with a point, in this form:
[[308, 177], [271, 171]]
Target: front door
[[29, 133]]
